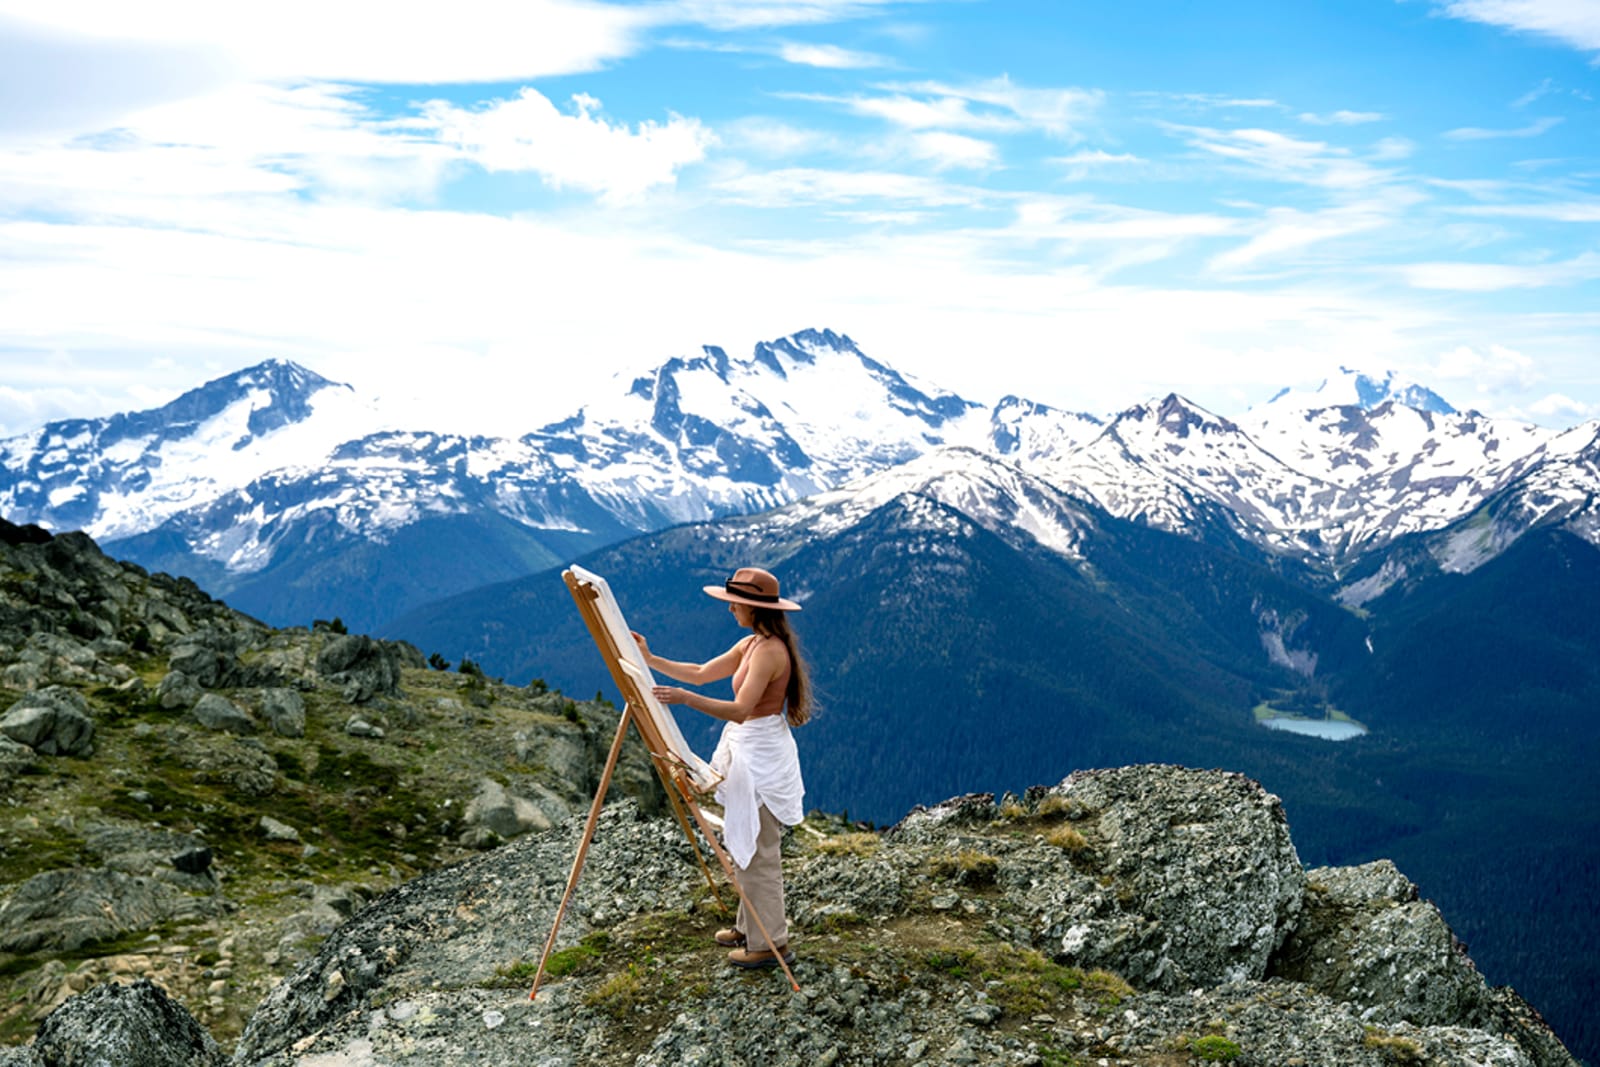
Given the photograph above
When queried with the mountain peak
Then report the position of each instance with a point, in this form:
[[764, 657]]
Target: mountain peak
[[1353, 388]]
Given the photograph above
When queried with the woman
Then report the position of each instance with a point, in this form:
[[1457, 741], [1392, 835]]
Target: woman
[[761, 790]]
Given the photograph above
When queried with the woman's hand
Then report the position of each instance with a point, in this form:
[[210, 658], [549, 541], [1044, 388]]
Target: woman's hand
[[644, 646], [671, 694]]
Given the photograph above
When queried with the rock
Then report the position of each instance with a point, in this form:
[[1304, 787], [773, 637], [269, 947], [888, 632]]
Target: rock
[[356, 726], [208, 666], [1365, 938], [64, 910], [52, 722], [273, 830], [240, 763], [15, 757], [137, 850], [216, 712], [1195, 882], [285, 711], [503, 813], [136, 1025], [178, 690], [364, 667], [193, 860]]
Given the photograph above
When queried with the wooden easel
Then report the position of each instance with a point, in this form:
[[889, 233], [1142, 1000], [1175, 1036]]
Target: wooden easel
[[676, 774]]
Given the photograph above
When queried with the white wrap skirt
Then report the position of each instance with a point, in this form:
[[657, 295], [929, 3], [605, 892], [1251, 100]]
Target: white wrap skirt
[[759, 765]]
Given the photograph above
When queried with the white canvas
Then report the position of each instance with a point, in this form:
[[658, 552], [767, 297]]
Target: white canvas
[[633, 664]]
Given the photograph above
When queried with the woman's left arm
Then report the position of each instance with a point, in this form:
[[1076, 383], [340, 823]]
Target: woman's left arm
[[766, 663]]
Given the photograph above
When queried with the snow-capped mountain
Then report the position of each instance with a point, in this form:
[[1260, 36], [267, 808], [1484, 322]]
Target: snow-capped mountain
[[279, 488], [713, 435], [129, 473], [1173, 465], [1352, 388], [997, 496]]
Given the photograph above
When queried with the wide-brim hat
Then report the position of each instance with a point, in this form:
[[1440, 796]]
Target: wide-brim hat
[[752, 586]]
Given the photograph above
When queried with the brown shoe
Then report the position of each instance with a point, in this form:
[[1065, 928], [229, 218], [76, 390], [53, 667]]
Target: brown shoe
[[730, 938], [743, 957]]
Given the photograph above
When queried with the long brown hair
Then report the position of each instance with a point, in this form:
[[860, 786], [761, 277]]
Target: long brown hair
[[770, 622]]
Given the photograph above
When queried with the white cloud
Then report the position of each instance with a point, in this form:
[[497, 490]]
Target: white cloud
[[829, 57], [1341, 118], [948, 151], [996, 106], [1558, 407], [1566, 211], [1285, 158], [1575, 23], [1492, 277], [789, 186], [766, 14], [773, 137], [1479, 133], [580, 149], [1080, 166], [365, 40], [1392, 148], [1287, 231], [1493, 369]]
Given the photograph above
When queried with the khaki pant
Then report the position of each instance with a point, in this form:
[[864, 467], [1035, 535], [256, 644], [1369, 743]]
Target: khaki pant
[[762, 883]]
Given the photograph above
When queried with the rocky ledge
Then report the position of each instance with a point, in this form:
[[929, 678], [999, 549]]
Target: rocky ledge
[[1144, 915]]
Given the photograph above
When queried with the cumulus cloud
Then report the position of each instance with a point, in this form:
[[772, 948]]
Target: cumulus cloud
[[1494, 368], [1558, 407], [577, 149]]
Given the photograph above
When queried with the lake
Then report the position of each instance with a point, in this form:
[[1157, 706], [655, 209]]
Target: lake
[[1327, 729]]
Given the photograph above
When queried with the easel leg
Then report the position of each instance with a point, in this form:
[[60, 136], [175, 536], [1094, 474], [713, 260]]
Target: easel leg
[[728, 868], [677, 788], [583, 845]]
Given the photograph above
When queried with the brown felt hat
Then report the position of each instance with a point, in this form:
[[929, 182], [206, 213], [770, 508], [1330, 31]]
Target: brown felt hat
[[753, 586]]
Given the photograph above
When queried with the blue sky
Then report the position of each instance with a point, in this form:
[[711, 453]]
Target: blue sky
[[482, 210]]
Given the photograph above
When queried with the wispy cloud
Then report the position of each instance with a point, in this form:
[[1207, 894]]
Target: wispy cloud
[[1284, 158], [1287, 232], [1206, 101], [830, 57], [1341, 118], [948, 151], [1079, 166], [1479, 133], [791, 186], [1559, 211], [1575, 23], [1492, 277], [995, 106]]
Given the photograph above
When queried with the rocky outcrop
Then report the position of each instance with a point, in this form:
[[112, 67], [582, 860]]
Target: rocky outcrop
[[1197, 897], [948, 940], [135, 1025]]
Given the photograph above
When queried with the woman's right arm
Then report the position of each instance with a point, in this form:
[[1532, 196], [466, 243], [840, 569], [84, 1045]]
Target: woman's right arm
[[692, 673]]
